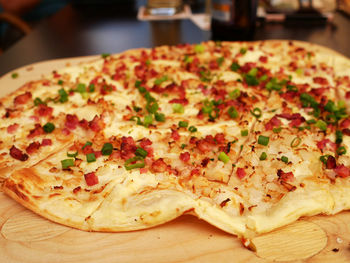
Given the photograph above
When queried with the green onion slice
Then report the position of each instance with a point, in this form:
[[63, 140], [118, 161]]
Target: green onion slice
[[72, 154], [132, 163], [107, 149], [295, 142], [341, 150], [141, 152], [48, 127], [232, 112], [263, 140], [263, 156], [90, 157], [256, 112], [192, 129], [183, 124], [86, 144], [244, 132], [223, 157], [67, 163], [284, 159], [178, 108], [160, 117]]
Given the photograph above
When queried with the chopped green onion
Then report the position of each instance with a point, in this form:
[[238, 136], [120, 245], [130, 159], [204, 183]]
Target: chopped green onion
[[63, 95], [277, 130], [160, 117], [324, 158], [220, 60], [244, 132], [75, 154], [148, 62], [137, 119], [253, 72], [88, 143], [136, 109], [263, 140], [14, 75], [256, 112], [263, 78], [188, 59], [138, 83], [183, 124], [284, 159], [292, 88], [263, 156], [273, 84], [107, 149], [234, 66], [338, 137], [183, 146], [199, 48], [147, 120], [234, 94], [232, 112], [81, 88], [90, 157], [243, 50], [341, 150], [223, 157], [299, 71], [67, 163], [91, 88], [129, 164], [321, 125], [48, 127], [152, 107], [60, 82], [178, 108], [160, 80], [312, 121], [295, 142], [141, 152], [105, 55], [38, 101], [192, 129]]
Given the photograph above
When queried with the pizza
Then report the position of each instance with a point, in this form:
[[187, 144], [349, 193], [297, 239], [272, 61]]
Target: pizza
[[248, 136]]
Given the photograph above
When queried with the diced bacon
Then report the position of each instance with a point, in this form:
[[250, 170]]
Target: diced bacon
[[274, 122], [193, 140], [286, 177], [143, 170], [347, 95], [12, 128], [322, 144], [38, 130], [96, 124], [84, 124], [56, 75], [44, 110], [98, 154], [293, 66], [114, 155], [346, 132], [213, 65], [247, 67], [95, 80], [205, 162], [200, 115], [140, 71], [18, 154], [320, 80], [240, 173], [195, 171], [345, 124], [185, 157], [127, 148], [23, 98], [342, 171], [105, 89], [331, 163], [220, 138], [88, 149], [175, 135], [179, 101], [91, 179], [46, 142], [289, 116], [204, 146], [319, 92], [65, 131], [72, 121], [289, 95], [145, 142], [263, 59], [204, 89], [33, 147], [159, 166], [296, 122], [34, 118]]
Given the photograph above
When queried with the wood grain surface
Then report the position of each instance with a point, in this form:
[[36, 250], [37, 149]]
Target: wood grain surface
[[28, 238]]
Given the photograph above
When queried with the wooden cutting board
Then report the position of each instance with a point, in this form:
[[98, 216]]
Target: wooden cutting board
[[28, 238]]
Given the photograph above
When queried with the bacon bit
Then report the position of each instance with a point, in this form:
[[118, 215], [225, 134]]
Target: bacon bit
[[98, 154], [58, 187], [289, 116], [34, 118], [180, 101], [342, 171], [96, 124], [145, 142], [128, 148], [175, 135], [240, 173], [114, 155], [65, 131], [12, 128], [263, 59], [318, 92], [247, 67], [140, 71], [204, 89], [143, 170], [285, 176], [84, 124], [159, 166], [185, 157], [44, 110], [347, 95], [296, 122], [200, 115], [331, 163], [213, 65], [204, 146], [88, 149], [274, 122], [195, 171], [193, 140], [220, 138], [38, 130], [91, 179], [223, 203], [345, 124], [76, 190], [205, 162], [293, 66], [320, 80], [33, 147], [56, 75], [72, 121], [346, 132], [322, 144], [23, 98], [18, 154], [46, 142]]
